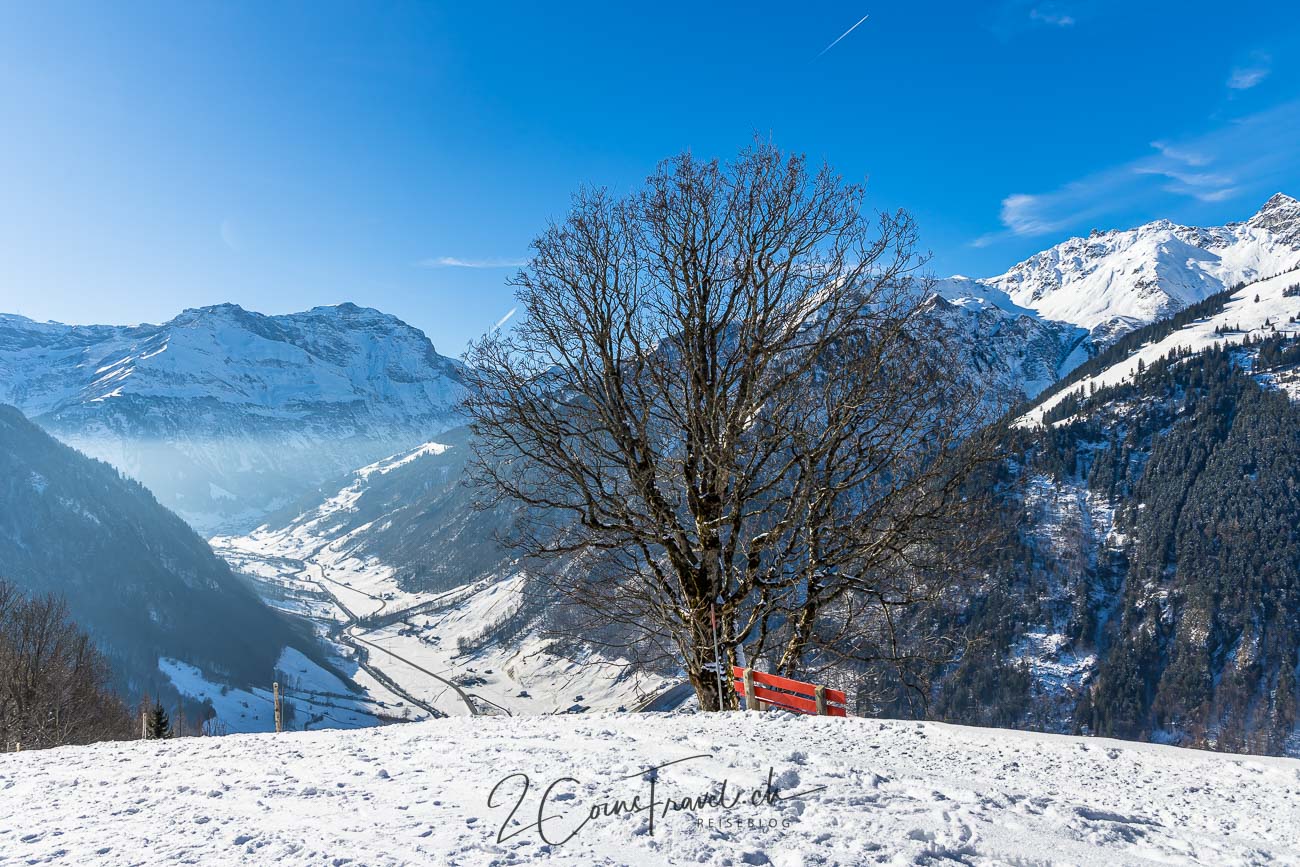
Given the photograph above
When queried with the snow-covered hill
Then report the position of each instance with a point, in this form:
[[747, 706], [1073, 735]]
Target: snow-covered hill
[[849, 792], [1111, 282], [226, 414], [1266, 307]]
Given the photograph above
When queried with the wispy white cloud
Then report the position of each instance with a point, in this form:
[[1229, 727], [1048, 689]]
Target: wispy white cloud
[[1191, 158], [455, 262], [504, 319], [1025, 215], [1050, 16], [231, 236], [1206, 186], [1244, 78], [1249, 154], [1011, 18], [1255, 69], [842, 35], [1217, 195]]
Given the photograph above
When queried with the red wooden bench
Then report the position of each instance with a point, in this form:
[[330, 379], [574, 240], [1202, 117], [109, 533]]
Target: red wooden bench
[[758, 688]]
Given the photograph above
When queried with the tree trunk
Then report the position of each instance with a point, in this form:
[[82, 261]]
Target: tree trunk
[[801, 634], [700, 669], [706, 689]]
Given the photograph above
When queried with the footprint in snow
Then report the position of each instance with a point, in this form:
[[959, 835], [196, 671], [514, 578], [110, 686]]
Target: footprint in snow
[[788, 779]]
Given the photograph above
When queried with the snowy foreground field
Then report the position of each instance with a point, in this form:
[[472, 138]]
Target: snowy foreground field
[[850, 792]]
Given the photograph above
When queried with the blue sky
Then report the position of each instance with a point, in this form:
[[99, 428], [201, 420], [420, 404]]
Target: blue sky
[[284, 155]]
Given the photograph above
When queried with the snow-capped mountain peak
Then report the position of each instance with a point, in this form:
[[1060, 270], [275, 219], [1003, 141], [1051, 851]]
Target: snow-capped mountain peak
[[225, 412], [1280, 215], [1113, 281]]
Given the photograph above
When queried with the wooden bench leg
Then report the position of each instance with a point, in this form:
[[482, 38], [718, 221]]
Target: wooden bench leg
[[751, 701]]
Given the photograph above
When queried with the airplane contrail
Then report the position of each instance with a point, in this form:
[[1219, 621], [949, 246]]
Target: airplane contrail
[[504, 319], [845, 33]]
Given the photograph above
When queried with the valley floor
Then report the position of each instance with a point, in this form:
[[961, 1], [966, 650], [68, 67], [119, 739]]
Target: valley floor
[[854, 792], [413, 655]]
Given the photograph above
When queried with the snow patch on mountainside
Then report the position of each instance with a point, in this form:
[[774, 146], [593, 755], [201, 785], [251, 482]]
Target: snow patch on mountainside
[[390, 464], [1068, 525], [527, 674], [319, 698], [846, 792], [1287, 380], [1242, 317]]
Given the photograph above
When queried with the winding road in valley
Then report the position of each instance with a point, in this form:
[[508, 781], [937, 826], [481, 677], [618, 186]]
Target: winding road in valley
[[341, 630], [344, 632], [349, 630]]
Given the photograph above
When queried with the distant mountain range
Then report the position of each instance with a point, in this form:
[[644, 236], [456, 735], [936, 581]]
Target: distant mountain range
[[227, 414]]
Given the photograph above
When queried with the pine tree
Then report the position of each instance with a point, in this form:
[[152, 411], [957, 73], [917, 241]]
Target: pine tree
[[159, 726]]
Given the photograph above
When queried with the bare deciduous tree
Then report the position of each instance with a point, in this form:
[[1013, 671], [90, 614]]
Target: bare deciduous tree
[[53, 680], [727, 400]]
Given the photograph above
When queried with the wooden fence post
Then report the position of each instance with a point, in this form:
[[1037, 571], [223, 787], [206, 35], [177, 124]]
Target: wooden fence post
[[751, 700], [144, 724], [276, 687], [820, 695]]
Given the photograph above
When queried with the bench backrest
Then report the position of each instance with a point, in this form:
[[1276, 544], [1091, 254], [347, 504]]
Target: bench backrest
[[793, 695]]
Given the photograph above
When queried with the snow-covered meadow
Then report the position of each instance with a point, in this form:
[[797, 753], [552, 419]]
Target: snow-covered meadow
[[850, 792]]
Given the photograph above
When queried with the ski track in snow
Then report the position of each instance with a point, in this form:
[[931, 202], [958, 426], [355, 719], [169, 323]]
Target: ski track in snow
[[895, 793]]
